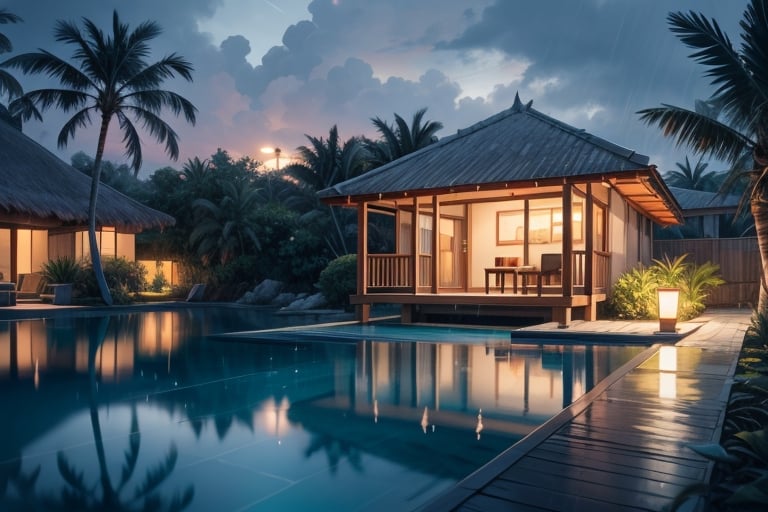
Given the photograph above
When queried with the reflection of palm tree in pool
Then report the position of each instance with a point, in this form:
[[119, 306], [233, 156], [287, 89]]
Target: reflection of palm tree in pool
[[11, 476], [79, 496], [336, 450]]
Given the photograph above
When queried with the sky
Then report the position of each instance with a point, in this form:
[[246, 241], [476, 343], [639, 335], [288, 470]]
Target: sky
[[267, 73]]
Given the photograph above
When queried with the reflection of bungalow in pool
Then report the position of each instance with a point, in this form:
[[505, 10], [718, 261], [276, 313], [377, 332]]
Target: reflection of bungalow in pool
[[44, 210], [489, 203]]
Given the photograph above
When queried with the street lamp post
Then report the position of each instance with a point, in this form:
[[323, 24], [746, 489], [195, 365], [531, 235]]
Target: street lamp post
[[276, 152]]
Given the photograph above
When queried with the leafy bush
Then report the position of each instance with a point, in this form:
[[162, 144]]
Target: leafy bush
[[159, 283], [62, 270], [123, 278], [339, 280], [634, 294]]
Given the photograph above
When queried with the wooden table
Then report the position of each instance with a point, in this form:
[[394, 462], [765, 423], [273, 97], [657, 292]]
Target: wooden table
[[501, 272]]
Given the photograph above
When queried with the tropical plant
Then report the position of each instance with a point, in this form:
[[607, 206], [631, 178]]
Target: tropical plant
[[634, 294], [324, 164], [112, 79], [227, 230], [17, 107], [62, 270], [741, 96], [401, 139], [338, 280], [693, 178]]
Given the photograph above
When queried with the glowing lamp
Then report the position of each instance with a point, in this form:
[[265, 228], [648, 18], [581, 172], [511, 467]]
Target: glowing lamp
[[668, 302]]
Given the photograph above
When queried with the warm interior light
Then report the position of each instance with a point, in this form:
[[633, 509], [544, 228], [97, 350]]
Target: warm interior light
[[668, 302]]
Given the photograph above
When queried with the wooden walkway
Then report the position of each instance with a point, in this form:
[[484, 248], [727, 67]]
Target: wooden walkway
[[622, 446]]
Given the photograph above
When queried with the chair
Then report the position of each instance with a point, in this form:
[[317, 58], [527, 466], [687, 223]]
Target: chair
[[551, 265], [30, 286]]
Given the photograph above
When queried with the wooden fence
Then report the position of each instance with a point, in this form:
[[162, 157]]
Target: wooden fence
[[738, 258]]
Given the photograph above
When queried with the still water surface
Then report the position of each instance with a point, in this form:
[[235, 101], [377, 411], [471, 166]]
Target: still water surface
[[125, 411]]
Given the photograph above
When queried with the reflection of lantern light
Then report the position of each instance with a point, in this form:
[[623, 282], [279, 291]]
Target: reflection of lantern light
[[425, 420], [375, 411], [479, 427], [667, 377], [668, 301]]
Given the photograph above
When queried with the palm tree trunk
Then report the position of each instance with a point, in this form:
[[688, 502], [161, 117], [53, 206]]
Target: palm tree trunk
[[97, 333], [94, 246], [759, 208]]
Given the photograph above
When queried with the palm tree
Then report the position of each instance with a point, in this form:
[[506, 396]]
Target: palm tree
[[693, 178], [741, 81], [113, 79], [323, 164], [227, 230], [18, 106], [401, 139]]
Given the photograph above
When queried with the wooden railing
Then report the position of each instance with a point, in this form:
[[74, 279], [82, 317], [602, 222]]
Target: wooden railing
[[601, 271], [389, 272], [394, 272]]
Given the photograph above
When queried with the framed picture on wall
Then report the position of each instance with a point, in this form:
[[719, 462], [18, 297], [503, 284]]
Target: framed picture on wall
[[510, 227]]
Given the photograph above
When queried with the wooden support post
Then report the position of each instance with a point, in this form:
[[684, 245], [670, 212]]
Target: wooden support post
[[406, 314], [363, 313], [561, 315]]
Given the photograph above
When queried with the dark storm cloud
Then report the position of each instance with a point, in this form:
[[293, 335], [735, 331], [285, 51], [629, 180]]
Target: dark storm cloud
[[618, 55]]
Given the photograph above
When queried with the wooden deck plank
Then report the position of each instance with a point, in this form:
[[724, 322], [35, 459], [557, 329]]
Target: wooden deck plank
[[624, 446], [618, 462]]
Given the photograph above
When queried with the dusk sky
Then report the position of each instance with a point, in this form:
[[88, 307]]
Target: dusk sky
[[267, 72]]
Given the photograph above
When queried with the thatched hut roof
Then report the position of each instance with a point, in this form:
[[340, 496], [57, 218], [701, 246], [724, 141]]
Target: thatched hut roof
[[518, 147], [37, 189]]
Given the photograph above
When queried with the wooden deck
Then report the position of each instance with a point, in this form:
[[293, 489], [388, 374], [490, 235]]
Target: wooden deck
[[622, 446]]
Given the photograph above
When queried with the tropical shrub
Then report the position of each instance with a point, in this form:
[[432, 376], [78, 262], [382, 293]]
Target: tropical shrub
[[62, 270], [123, 278], [339, 280], [634, 293]]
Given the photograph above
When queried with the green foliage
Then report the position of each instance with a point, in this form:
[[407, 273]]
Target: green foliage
[[634, 293], [339, 280], [123, 278], [62, 270], [159, 283]]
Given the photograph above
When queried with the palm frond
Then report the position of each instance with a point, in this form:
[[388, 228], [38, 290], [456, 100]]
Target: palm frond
[[131, 140], [51, 65], [9, 85], [736, 86], [81, 119], [702, 134]]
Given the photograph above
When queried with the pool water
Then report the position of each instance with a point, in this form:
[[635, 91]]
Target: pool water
[[155, 408]]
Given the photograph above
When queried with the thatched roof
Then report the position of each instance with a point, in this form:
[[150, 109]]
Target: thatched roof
[[515, 148], [38, 189]]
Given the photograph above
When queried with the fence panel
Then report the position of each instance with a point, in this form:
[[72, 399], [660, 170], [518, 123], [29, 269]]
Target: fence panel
[[738, 258]]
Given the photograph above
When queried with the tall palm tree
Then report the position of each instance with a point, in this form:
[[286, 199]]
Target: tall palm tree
[[400, 139], [693, 178], [741, 81], [112, 80]]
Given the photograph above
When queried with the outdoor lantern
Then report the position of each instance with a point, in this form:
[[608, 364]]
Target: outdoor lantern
[[668, 300]]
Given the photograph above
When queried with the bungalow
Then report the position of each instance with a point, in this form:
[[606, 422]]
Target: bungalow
[[44, 210], [518, 215]]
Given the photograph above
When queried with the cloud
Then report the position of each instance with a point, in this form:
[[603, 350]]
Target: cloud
[[591, 63]]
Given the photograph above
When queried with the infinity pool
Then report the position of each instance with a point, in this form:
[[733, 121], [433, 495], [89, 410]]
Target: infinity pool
[[156, 409]]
